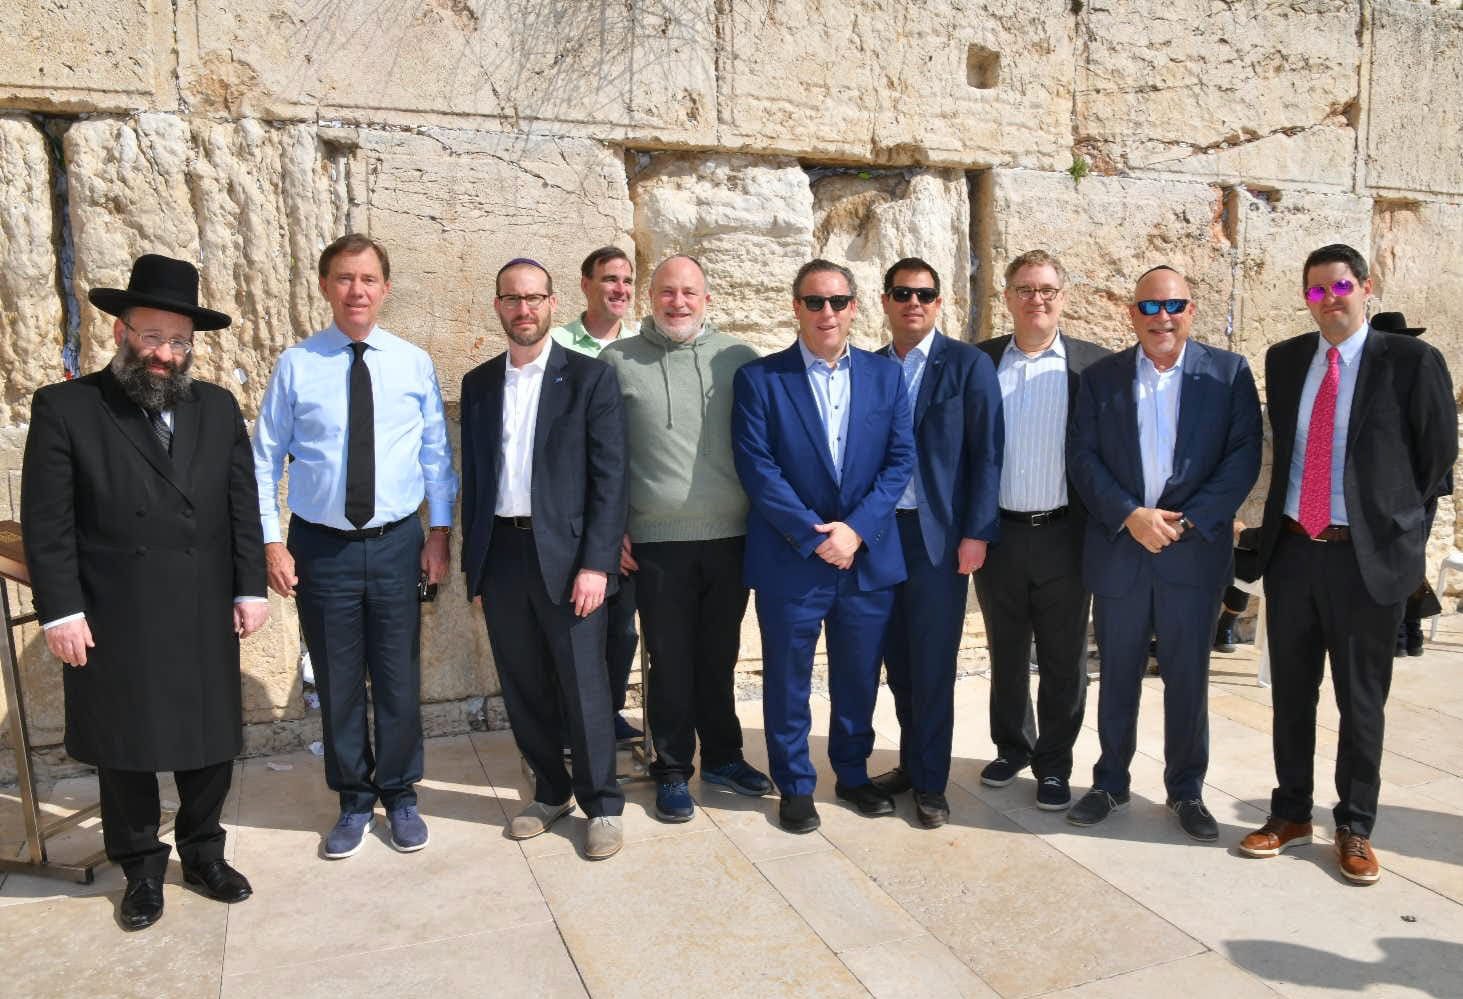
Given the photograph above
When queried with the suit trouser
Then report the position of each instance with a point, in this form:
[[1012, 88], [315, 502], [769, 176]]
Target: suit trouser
[[131, 814], [550, 659], [1032, 583], [621, 640], [1319, 606], [925, 627], [692, 601], [361, 617], [1182, 618], [856, 624]]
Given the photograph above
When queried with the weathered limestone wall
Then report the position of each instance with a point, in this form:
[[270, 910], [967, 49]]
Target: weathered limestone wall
[[1227, 139]]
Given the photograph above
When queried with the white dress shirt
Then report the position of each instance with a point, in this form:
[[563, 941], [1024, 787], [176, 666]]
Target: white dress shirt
[[521, 390], [914, 364], [1158, 421]]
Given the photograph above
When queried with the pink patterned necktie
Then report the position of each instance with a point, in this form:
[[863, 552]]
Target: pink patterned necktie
[[1315, 476]]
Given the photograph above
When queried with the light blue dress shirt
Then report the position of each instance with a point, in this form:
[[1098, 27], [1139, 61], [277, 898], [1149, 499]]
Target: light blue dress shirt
[[1350, 351], [1158, 421], [305, 413], [831, 393], [914, 364], [1034, 407]]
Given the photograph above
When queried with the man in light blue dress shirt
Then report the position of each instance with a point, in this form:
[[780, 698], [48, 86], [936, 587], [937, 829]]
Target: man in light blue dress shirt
[[359, 414]]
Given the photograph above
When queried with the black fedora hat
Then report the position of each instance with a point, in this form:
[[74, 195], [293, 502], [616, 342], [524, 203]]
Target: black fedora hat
[[1395, 322], [159, 282]]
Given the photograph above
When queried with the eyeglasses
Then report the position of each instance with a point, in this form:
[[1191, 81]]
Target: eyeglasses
[[152, 340], [902, 293], [815, 303], [1340, 289], [532, 301], [1026, 293], [1152, 306]]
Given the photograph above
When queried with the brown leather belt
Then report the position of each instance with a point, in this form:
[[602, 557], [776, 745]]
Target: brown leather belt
[[1333, 532]]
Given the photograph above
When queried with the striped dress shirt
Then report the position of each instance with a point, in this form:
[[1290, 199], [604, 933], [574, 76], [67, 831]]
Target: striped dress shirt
[[1034, 404]]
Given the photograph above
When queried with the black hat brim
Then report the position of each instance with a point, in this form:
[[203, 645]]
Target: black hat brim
[[115, 301]]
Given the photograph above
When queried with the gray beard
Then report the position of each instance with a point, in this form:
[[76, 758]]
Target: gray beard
[[147, 390]]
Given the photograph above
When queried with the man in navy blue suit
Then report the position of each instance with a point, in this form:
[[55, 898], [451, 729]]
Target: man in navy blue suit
[[1165, 447], [946, 517], [823, 445]]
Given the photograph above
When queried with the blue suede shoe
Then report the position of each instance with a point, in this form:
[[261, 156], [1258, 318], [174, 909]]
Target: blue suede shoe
[[741, 777], [349, 833], [625, 732], [408, 831], [673, 802]]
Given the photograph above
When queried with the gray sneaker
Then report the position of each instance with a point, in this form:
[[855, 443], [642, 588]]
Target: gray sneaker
[[604, 837], [536, 819], [349, 833]]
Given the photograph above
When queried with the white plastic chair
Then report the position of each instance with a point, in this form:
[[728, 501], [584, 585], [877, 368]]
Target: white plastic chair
[[1454, 562], [1256, 589]]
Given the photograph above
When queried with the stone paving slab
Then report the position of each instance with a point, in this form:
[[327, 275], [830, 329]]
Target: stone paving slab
[[1006, 900]]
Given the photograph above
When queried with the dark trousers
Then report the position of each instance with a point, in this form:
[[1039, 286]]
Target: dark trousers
[[621, 640], [856, 622], [361, 618], [1031, 584], [1319, 606], [692, 601], [1235, 601], [549, 659], [919, 657], [131, 814], [1182, 618]]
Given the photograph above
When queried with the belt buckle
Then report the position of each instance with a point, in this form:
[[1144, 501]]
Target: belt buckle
[[1041, 519]]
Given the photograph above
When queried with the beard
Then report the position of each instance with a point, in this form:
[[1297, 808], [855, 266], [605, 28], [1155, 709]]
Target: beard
[[530, 337], [150, 391]]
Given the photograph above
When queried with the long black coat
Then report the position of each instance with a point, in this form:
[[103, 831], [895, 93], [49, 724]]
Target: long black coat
[[153, 549]]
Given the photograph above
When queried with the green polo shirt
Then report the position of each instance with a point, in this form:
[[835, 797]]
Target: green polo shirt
[[574, 336]]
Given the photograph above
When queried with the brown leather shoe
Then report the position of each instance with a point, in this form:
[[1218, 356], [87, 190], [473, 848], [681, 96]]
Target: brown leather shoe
[[1274, 837], [1358, 862]]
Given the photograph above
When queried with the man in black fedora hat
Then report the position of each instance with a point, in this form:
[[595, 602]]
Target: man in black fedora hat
[[141, 530]]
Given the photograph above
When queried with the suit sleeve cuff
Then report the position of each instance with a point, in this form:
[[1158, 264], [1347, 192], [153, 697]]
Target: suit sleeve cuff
[[48, 625]]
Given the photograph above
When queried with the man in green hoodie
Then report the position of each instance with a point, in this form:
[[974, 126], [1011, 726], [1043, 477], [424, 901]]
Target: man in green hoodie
[[686, 537]]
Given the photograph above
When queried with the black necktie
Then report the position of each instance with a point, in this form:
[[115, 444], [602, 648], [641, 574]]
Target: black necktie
[[160, 428], [360, 448]]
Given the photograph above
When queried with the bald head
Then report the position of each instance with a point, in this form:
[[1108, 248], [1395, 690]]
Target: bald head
[[1165, 294]]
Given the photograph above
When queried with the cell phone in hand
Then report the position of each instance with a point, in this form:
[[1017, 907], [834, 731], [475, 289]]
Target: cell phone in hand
[[426, 592]]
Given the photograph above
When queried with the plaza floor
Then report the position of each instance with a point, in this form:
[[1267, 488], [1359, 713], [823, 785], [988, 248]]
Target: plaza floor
[[1006, 900]]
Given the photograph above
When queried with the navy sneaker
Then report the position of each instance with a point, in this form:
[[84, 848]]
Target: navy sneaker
[[1053, 794], [740, 776], [673, 802], [349, 833], [1000, 772], [408, 831], [625, 732]]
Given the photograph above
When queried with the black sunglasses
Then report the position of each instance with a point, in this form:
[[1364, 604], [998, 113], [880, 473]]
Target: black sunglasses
[[815, 303], [1173, 306], [902, 293]]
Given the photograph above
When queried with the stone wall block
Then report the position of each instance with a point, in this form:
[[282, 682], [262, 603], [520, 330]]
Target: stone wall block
[[643, 70], [1418, 270], [1252, 89], [949, 82], [453, 207], [1416, 91], [31, 318], [749, 220], [96, 55], [1107, 232], [868, 221]]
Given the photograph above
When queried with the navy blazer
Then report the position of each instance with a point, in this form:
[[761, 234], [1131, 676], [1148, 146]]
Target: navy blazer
[[959, 435], [781, 455], [578, 495], [1216, 461]]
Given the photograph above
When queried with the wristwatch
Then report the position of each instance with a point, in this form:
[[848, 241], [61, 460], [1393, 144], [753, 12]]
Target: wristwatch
[[439, 530]]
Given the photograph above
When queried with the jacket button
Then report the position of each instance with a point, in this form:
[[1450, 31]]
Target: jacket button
[[187, 551], [142, 511], [142, 549], [188, 512]]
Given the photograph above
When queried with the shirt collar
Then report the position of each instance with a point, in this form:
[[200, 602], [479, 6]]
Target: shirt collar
[[924, 346], [1146, 367], [1350, 348], [535, 367], [810, 358], [582, 336], [342, 341], [1056, 347]]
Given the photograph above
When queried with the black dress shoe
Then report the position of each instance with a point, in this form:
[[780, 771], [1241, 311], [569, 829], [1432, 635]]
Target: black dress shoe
[[219, 881], [867, 798], [142, 903], [796, 814], [932, 808], [1224, 637], [1195, 820], [892, 782]]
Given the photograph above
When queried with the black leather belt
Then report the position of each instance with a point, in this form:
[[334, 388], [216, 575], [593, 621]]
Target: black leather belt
[[909, 511], [1036, 518], [522, 523], [361, 535], [1331, 532]]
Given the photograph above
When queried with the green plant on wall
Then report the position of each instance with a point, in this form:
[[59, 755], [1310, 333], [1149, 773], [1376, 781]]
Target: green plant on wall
[[1079, 168]]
